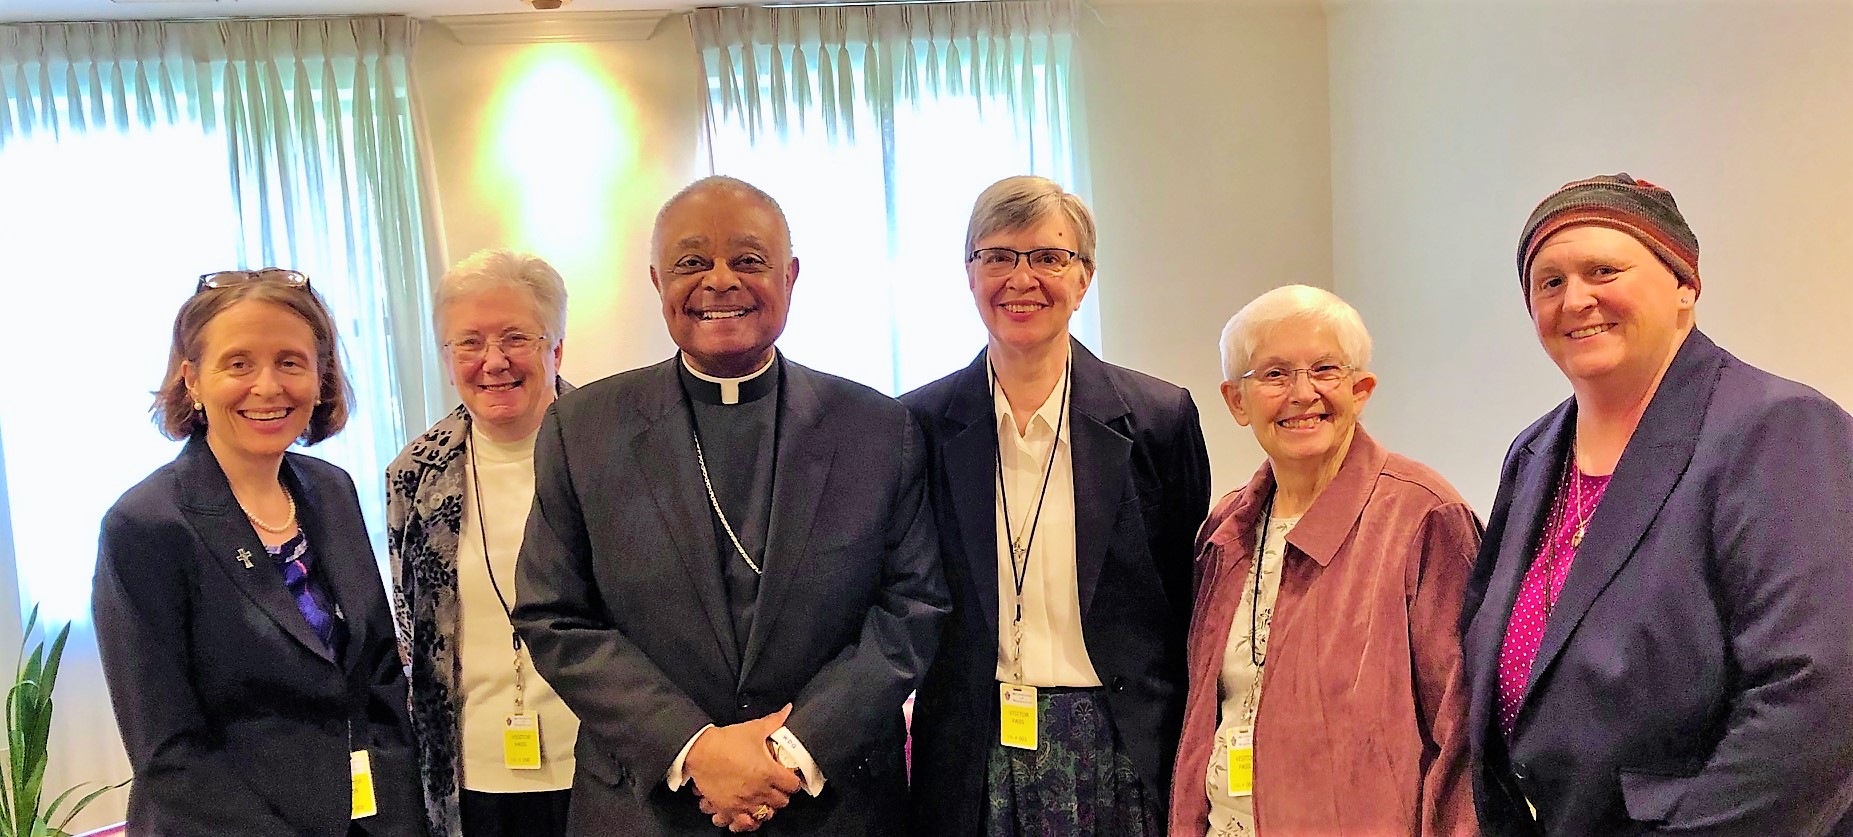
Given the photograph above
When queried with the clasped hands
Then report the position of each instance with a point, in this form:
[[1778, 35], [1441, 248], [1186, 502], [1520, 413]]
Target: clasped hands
[[738, 781]]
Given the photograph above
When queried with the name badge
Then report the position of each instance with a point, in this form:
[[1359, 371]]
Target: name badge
[[1242, 761], [360, 767], [1016, 721], [521, 741]]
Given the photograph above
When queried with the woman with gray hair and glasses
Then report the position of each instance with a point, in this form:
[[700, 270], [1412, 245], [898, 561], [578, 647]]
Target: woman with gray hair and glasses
[[1065, 490], [1325, 668], [496, 742]]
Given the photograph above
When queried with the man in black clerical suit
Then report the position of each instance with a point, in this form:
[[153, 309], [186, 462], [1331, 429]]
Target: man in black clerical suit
[[729, 572]]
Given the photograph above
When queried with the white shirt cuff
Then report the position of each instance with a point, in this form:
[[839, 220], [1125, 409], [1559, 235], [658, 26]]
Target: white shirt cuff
[[675, 777], [790, 753]]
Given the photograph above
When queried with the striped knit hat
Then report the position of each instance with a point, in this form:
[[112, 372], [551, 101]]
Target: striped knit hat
[[1635, 207]]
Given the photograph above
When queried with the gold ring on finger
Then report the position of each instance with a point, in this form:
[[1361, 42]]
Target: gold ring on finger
[[762, 813]]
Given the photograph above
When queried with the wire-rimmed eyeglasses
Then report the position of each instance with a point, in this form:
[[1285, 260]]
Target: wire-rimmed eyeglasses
[[515, 345], [1323, 376]]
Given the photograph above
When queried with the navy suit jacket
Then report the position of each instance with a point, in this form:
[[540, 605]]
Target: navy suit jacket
[[1696, 675], [621, 598], [237, 719], [1141, 478]]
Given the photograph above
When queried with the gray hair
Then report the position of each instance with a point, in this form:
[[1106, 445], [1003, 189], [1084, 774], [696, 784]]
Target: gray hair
[[719, 183], [1021, 202], [488, 269], [1300, 304]]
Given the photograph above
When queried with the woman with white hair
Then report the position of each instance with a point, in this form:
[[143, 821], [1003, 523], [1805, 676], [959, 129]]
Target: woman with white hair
[[1329, 585], [495, 741]]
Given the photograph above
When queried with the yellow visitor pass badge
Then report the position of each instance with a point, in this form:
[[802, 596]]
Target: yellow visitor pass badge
[[521, 741], [361, 768], [1242, 761], [1016, 720]]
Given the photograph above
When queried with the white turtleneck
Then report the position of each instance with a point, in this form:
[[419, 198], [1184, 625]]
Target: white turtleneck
[[484, 648]]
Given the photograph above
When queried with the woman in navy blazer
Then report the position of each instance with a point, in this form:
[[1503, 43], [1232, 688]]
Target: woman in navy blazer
[[1656, 630], [1104, 566], [244, 630]]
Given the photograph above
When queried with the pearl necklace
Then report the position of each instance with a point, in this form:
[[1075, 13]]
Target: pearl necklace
[[275, 530]]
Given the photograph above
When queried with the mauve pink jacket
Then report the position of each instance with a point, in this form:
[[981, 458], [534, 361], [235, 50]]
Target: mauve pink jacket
[[1362, 728]]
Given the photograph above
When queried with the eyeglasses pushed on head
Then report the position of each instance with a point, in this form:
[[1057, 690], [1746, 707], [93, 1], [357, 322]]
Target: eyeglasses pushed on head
[[234, 278]]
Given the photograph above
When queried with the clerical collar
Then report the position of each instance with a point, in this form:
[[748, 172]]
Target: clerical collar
[[711, 390]]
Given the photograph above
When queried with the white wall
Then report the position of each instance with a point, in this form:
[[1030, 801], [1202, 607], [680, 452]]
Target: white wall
[[1209, 143], [1451, 120], [1207, 133], [567, 150]]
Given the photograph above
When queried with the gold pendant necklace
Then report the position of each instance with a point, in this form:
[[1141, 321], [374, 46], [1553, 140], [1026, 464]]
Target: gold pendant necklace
[[1576, 490]]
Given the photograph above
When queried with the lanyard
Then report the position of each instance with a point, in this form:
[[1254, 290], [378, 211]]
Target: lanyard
[[482, 531], [1255, 655], [1019, 552]]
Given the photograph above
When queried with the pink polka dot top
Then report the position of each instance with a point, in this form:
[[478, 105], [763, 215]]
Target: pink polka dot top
[[1573, 505]]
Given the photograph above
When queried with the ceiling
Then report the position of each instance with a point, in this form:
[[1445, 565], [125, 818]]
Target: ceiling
[[25, 10], [13, 11]]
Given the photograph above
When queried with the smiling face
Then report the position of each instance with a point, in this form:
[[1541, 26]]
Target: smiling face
[[506, 396], [255, 379], [1304, 426], [1024, 309], [1606, 310], [725, 272]]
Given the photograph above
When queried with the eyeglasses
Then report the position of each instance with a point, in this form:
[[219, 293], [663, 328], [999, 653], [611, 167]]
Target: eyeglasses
[[1281, 378], [515, 345], [233, 278], [1043, 261]]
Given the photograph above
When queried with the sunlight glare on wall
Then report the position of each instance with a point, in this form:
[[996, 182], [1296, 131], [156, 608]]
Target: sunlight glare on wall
[[563, 143]]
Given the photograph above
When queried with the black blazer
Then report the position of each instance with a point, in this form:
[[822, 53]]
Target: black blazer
[[236, 719], [1141, 479], [622, 602], [1697, 673]]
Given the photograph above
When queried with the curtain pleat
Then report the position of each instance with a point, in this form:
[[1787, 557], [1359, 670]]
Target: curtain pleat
[[875, 126], [319, 172]]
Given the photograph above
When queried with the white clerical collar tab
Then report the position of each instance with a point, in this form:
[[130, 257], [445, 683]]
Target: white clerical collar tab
[[729, 387]]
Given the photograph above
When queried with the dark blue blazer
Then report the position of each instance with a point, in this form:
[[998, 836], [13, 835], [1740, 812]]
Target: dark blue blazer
[[1697, 673], [1141, 484], [237, 719]]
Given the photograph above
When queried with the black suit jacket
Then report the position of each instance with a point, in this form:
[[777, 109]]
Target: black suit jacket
[[622, 601], [236, 718], [1141, 479], [1696, 675]]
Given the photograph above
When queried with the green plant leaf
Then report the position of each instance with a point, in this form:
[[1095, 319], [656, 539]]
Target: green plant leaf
[[28, 738], [79, 805]]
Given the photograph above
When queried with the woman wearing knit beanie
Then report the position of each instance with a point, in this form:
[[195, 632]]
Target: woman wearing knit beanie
[[1657, 634]]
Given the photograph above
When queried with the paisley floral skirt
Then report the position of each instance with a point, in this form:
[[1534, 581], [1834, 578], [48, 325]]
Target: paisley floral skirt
[[1078, 783]]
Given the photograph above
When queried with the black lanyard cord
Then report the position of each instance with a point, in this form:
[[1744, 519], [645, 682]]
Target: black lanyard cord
[[482, 531], [1019, 570], [1254, 610]]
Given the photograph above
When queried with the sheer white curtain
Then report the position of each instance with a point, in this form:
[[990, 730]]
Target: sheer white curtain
[[134, 156], [876, 127]]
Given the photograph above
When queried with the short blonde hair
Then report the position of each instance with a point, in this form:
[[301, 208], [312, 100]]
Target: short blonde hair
[[1293, 304], [487, 269], [1021, 202]]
